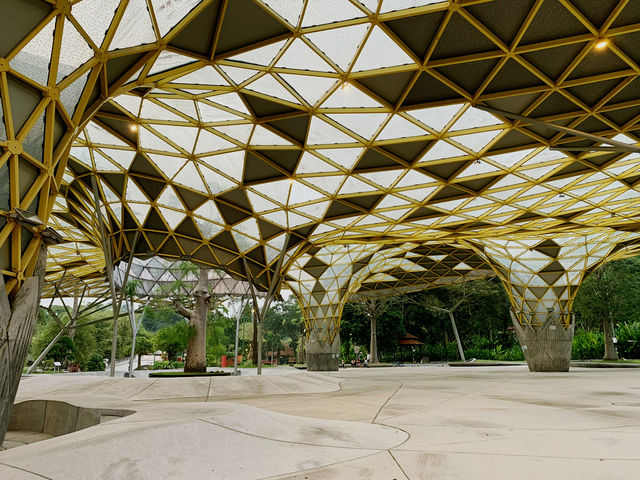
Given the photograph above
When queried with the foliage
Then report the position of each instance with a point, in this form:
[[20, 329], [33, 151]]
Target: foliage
[[63, 351], [157, 317], [47, 365], [220, 334], [629, 339], [610, 292], [144, 343], [484, 313], [95, 363], [587, 345], [172, 340], [167, 365], [283, 325]]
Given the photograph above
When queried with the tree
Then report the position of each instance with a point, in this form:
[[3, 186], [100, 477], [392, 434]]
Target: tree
[[220, 329], [63, 351], [172, 340], [608, 295], [159, 317], [283, 324], [373, 309], [197, 316], [144, 345], [95, 363]]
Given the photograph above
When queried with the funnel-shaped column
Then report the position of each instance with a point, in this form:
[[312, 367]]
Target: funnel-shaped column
[[323, 282], [542, 275]]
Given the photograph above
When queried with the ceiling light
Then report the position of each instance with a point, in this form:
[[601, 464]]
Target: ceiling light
[[602, 43], [345, 86], [133, 127]]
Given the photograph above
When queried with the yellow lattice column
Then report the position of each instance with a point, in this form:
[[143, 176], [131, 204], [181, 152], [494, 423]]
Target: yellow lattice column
[[542, 275], [323, 279]]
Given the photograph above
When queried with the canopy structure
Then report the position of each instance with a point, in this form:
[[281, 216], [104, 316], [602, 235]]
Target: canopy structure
[[379, 146], [409, 340]]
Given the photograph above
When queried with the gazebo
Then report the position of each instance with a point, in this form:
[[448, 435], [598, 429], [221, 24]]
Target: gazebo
[[408, 340]]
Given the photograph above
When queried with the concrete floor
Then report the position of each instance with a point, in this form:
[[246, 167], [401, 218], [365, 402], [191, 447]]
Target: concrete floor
[[423, 422]]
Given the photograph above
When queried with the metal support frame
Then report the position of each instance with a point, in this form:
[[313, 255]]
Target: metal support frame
[[274, 284], [243, 305], [73, 318], [613, 145], [106, 245], [135, 327], [453, 325]]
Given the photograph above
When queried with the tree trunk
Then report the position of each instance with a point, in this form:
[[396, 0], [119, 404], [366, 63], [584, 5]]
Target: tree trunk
[[17, 320], [139, 361], [197, 343], [609, 347], [373, 345], [74, 312]]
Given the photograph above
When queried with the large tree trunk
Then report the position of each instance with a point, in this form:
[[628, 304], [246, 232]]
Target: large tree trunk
[[373, 345], [609, 347], [17, 320], [197, 343]]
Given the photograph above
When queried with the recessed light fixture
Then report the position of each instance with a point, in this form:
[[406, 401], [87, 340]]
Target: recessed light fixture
[[602, 44], [133, 127]]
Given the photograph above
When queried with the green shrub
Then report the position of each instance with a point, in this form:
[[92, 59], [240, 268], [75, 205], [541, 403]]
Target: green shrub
[[628, 339], [587, 345], [47, 364], [95, 363], [167, 365], [513, 353]]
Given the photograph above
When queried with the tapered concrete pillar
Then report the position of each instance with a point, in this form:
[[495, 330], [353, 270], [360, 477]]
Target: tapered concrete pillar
[[547, 348], [324, 282], [17, 320], [542, 275], [322, 356]]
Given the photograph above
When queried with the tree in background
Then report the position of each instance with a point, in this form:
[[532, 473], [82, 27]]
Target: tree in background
[[373, 309], [220, 335], [172, 340], [283, 325], [482, 319], [144, 345], [607, 296], [160, 316]]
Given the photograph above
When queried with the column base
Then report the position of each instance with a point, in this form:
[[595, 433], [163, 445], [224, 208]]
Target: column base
[[323, 357], [546, 348]]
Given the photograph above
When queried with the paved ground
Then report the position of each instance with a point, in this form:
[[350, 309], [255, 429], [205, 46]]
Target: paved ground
[[394, 423]]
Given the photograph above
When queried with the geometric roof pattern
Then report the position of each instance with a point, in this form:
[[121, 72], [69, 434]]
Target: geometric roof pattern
[[217, 128]]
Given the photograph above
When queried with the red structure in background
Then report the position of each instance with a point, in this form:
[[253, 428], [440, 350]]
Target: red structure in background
[[409, 340], [227, 360]]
